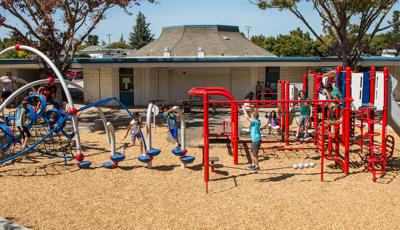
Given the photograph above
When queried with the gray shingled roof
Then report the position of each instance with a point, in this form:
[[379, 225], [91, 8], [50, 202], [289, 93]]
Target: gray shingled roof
[[215, 40]]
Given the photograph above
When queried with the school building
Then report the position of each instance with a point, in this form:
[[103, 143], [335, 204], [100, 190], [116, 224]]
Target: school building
[[190, 56]]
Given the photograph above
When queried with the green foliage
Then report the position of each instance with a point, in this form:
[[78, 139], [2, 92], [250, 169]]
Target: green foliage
[[82, 55], [11, 41], [141, 34], [296, 43], [81, 47], [352, 23], [92, 40], [58, 27], [385, 41], [121, 45]]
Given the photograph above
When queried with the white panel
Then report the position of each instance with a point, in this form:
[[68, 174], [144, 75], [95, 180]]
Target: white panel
[[356, 89], [379, 92]]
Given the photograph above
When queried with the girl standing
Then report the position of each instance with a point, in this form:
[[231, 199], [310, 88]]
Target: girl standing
[[255, 133]]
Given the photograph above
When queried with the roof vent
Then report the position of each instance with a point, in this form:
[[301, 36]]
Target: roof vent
[[167, 52], [226, 38], [200, 52]]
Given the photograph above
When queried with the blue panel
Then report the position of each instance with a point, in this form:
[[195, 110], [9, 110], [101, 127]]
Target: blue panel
[[366, 88], [338, 79], [343, 84]]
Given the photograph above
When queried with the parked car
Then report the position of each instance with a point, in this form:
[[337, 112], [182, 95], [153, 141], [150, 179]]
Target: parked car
[[74, 75]]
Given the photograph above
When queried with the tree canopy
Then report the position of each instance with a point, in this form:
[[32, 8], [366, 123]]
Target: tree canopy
[[141, 34], [296, 43], [92, 40], [353, 23], [57, 27]]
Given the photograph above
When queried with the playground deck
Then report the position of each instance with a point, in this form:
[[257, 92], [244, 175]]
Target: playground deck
[[42, 193]]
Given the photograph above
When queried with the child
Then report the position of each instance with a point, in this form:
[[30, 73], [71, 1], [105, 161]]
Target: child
[[333, 93], [305, 112], [172, 124], [255, 134], [20, 115], [134, 130], [272, 121]]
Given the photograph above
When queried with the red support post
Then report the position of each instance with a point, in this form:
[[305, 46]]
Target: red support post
[[283, 91], [305, 83], [322, 143], [287, 113], [372, 74], [206, 141], [371, 112], [384, 114], [346, 122], [315, 97]]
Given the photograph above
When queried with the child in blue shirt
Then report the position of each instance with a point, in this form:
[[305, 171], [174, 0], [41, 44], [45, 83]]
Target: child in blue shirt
[[20, 116], [255, 133], [172, 125]]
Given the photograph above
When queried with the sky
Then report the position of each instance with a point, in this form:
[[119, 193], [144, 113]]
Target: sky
[[187, 12]]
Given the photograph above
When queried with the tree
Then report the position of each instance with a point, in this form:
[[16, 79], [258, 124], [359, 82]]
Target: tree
[[92, 40], [121, 45], [121, 39], [10, 41], [37, 23], [354, 23], [296, 43], [395, 18], [258, 40], [141, 34]]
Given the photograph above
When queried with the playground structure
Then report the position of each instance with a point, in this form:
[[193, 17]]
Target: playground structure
[[54, 127], [368, 102], [149, 154], [333, 131]]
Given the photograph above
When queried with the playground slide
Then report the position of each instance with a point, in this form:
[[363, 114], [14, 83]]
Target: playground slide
[[393, 108]]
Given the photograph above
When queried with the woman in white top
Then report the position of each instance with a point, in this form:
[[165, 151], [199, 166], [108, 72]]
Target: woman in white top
[[134, 130], [7, 86]]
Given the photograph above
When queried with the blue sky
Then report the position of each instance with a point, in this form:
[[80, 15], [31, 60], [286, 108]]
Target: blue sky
[[227, 12]]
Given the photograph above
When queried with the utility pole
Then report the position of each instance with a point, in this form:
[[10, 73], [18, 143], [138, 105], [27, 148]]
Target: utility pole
[[109, 38], [109, 42], [247, 29]]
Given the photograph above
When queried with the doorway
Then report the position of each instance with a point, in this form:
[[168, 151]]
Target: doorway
[[126, 87], [272, 75]]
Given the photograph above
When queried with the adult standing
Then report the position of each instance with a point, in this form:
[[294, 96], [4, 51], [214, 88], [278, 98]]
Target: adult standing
[[259, 89], [7, 86]]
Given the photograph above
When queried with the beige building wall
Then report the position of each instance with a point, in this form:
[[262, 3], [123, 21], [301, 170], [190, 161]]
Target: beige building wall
[[101, 82], [173, 83]]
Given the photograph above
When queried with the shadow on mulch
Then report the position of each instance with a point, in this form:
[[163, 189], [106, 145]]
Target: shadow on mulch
[[284, 176]]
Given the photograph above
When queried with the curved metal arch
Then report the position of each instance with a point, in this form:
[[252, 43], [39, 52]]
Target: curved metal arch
[[44, 81], [60, 78]]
